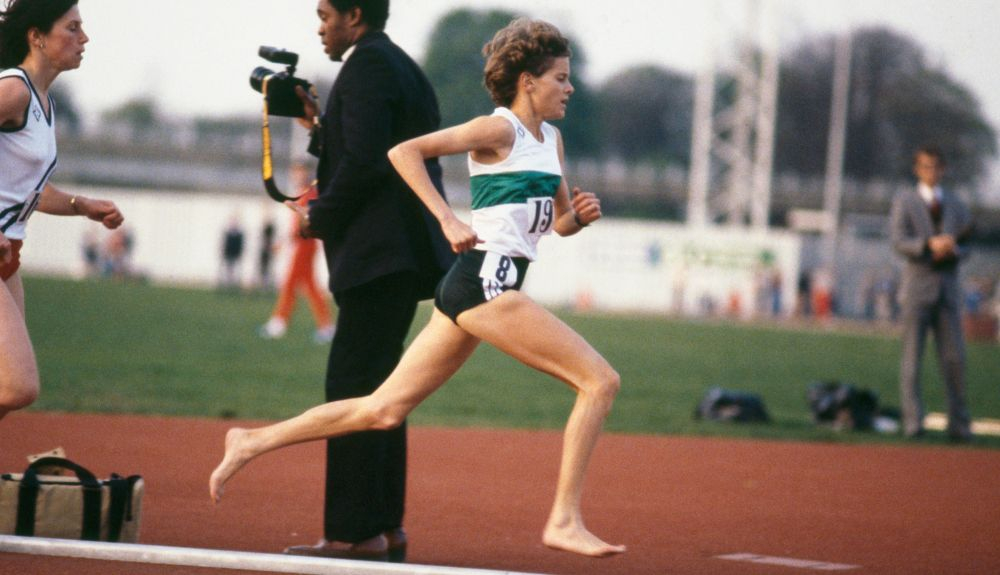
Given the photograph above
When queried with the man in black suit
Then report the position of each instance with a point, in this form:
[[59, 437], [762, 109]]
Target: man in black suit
[[384, 251]]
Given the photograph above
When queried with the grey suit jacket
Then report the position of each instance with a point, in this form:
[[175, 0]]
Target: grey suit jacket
[[925, 281]]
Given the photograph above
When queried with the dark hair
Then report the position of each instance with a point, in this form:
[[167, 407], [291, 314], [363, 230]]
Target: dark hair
[[931, 151], [373, 12], [524, 45], [19, 18]]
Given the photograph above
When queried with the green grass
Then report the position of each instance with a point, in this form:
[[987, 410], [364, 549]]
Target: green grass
[[111, 347]]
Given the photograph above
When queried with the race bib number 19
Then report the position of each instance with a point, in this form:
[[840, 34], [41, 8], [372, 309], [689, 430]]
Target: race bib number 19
[[499, 268], [543, 215]]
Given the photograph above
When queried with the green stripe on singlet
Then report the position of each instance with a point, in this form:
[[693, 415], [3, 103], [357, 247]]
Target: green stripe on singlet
[[512, 188]]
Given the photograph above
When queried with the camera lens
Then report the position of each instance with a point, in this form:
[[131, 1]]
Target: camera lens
[[258, 76]]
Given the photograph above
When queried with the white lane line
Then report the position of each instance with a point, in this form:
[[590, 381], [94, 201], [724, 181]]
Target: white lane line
[[222, 559], [787, 562]]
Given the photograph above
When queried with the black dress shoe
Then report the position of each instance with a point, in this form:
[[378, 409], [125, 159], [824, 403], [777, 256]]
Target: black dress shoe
[[396, 541], [374, 549]]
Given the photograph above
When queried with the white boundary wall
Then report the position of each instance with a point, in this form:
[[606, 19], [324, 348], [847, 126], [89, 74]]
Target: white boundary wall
[[620, 265], [666, 268], [177, 235]]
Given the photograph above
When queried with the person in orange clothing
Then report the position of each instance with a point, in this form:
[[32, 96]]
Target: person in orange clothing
[[300, 275]]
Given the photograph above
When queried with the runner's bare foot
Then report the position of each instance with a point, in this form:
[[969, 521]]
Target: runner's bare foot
[[576, 539], [238, 453]]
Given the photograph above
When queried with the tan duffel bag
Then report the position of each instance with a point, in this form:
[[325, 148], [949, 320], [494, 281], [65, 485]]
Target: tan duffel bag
[[66, 507]]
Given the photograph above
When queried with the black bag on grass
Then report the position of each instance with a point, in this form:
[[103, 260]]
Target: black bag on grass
[[726, 405], [842, 405]]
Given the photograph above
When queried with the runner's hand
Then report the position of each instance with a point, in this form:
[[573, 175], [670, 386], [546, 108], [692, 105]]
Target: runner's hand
[[460, 235], [586, 206], [103, 211]]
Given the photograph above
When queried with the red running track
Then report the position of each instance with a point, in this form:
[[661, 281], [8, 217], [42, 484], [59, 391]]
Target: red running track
[[479, 498]]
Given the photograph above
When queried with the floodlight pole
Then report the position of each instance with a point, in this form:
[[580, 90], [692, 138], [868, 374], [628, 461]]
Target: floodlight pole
[[833, 185], [702, 133], [739, 138], [767, 117]]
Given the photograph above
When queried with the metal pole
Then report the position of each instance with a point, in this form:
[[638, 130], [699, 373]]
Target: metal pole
[[702, 134], [746, 101], [221, 559], [832, 189], [767, 116]]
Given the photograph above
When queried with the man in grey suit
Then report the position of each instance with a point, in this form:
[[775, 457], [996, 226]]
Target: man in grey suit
[[928, 227]]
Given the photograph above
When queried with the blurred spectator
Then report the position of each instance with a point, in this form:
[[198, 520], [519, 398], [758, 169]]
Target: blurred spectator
[[91, 254], [707, 305], [822, 293], [975, 295], [118, 254], [775, 284], [868, 294], [886, 297], [300, 274], [978, 321], [679, 287], [734, 303], [766, 297], [803, 295], [268, 247], [232, 253]]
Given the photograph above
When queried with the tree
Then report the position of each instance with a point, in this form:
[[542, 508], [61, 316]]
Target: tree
[[581, 129], [454, 62], [646, 113], [804, 93], [454, 65], [897, 103]]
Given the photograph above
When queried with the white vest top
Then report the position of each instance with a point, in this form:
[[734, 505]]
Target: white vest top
[[512, 200], [27, 160]]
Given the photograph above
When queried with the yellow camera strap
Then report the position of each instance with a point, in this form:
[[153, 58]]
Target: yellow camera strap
[[267, 163]]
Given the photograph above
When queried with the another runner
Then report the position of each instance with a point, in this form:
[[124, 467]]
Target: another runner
[[39, 39]]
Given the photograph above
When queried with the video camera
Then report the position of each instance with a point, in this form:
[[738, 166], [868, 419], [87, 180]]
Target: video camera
[[279, 87]]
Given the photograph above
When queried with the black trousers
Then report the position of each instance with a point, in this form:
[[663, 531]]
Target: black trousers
[[366, 472]]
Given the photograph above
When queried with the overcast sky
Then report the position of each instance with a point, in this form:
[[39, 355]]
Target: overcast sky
[[194, 56]]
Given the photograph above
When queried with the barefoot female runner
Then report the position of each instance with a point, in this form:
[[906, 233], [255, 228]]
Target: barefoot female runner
[[518, 195]]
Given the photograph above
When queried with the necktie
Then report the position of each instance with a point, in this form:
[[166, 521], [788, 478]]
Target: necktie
[[935, 209]]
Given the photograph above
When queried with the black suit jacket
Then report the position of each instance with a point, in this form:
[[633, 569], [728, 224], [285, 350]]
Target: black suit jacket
[[370, 222]]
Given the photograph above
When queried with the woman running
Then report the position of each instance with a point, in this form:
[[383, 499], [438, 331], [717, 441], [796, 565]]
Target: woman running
[[518, 195], [39, 39]]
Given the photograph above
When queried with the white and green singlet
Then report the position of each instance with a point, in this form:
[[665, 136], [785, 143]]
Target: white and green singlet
[[512, 200]]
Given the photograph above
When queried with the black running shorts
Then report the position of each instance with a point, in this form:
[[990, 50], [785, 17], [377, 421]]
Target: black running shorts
[[477, 277]]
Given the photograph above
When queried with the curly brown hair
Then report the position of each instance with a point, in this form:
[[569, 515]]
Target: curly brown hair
[[524, 45]]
